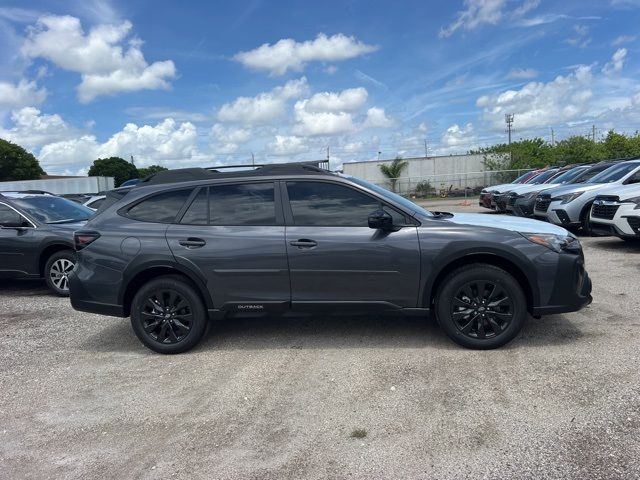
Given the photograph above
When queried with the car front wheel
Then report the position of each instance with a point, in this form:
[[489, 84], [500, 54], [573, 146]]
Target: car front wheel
[[168, 316], [57, 270], [481, 306]]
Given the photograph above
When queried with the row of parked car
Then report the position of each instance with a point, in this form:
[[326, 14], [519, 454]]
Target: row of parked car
[[600, 199]]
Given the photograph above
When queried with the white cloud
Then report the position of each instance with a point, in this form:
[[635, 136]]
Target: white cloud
[[456, 136], [265, 107], [476, 13], [287, 54], [105, 64], [287, 146], [539, 104], [20, 95], [377, 118], [622, 39], [350, 99], [320, 123], [525, 7], [32, 129], [228, 139], [616, 63], [522, 73]]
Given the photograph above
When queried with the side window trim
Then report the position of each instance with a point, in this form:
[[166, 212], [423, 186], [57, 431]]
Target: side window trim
[[288, 211], [33, 225], [187, 204]]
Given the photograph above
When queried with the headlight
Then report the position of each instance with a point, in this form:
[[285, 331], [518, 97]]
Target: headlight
[[569, 197], [557, 243], [635, 200]]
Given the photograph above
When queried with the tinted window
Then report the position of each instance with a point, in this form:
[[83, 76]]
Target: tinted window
[[197, 213], [615, 173], [9, 215], [543, 177], [246, 204], [53, 209], [327, 204], [160, 208]]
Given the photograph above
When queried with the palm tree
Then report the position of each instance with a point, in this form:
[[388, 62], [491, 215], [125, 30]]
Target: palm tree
[[393, 170]]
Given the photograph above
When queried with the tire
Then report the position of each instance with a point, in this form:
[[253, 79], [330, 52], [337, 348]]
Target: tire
[[470, 322], [173, 330], [56, 271], [585, 224]]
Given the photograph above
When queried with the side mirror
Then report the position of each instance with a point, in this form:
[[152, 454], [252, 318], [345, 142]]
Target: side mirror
[[381, 220]]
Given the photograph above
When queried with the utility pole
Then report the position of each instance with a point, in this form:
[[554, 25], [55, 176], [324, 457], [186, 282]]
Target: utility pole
[[379, 152], [253, 159], [328, 153], [132, 161], [508, 118], [593, 133], [553, 138], [426, 150]]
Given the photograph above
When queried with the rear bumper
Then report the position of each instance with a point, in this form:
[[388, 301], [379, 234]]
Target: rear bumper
[[571, 290], [79, 300]]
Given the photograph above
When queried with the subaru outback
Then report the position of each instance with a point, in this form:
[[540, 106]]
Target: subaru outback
[[186, 246]]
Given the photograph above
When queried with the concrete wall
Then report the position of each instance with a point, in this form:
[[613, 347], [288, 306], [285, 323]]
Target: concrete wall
[[62, 186], [457, 170]]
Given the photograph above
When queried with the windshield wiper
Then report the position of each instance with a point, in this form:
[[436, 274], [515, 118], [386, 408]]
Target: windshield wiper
[[442, 214], [67, 220]]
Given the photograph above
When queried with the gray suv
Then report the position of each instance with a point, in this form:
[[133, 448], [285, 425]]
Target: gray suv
[[185, 246]]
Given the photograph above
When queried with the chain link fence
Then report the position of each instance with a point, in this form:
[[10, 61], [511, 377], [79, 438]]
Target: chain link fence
[[449, 185]]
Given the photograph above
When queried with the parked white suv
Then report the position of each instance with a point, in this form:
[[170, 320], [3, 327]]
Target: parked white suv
[[617, 212]]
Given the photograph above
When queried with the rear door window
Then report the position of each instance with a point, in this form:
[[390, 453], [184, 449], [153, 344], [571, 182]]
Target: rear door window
[[161, 207], [242, 204]]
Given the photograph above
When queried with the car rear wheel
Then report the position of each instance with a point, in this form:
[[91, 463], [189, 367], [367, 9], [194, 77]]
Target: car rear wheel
[[481, 306], [585, 223], [57, 270], [168, 316]]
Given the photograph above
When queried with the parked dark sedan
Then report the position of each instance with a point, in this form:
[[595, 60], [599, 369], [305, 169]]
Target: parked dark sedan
[[36, 237]]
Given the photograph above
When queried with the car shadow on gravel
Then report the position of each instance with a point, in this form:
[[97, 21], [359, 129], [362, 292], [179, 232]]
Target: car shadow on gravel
[[21, 287], [326, 332]]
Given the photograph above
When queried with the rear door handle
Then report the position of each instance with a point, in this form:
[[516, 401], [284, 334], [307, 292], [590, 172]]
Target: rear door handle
[[304, 243], [192, 242]]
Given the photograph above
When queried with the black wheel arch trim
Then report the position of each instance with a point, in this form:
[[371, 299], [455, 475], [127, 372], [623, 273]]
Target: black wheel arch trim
[[46, 245], [461, 254], [136, 268]]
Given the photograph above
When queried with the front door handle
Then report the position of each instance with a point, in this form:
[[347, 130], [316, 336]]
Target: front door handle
[[304, 243], [192, 242]]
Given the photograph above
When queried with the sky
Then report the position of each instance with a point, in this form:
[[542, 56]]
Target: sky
[[203, 83]]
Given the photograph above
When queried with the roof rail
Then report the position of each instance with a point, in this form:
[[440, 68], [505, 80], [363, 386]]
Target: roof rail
[[33, 192], [193, 174]]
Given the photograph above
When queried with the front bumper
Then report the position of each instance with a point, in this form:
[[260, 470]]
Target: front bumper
[[571, 289], [562, 214], [524, 207], [622, 224]]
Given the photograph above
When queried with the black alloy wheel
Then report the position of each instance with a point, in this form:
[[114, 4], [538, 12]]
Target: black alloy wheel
[[482, 309], [480, 306], [168, 314]]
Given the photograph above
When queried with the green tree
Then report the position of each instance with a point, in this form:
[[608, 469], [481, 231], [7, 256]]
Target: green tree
[[115, 167], [393, 170], [577, 149], [617, 145], [17, 164], [146, 171]]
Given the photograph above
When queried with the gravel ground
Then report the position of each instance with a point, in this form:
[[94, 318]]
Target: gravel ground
[[325, 397]]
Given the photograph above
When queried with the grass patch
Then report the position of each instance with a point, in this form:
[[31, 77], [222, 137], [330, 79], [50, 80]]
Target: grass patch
[[358, 433]]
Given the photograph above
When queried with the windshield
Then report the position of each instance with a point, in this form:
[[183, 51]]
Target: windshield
[[615, 173], [543, 177], [52, 209], [522, 178], [567, 176], [390, 195]]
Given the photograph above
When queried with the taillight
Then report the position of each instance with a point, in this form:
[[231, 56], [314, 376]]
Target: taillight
[[82, 239]]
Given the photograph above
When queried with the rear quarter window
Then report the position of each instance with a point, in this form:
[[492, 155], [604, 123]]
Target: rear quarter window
[[159, 208]]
